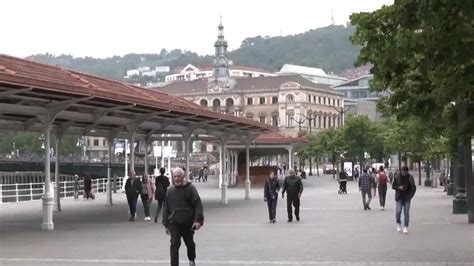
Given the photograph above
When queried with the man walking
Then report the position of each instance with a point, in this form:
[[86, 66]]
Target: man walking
[[366, 183], [293, 186], [132, 190], [405, 188], [182, 214], [161, 185]]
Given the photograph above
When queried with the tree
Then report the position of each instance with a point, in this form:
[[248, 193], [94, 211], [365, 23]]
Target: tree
[[422, 53]]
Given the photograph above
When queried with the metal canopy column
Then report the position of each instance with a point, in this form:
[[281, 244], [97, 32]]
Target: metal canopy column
[[248, 140], [57, 186], [133, 134], [110, 143], [290, 157], [236, 167], [48, 197], [220, 166], [224, 199]]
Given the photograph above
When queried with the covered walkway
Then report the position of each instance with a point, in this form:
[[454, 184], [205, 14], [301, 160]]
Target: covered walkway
[[42, 98]]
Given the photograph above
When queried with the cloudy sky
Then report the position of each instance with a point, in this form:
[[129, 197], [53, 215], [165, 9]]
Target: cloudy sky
[[103, 28]]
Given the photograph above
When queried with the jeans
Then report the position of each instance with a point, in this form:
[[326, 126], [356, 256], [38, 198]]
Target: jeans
[[160, 206], [146, 204], [295, 201], [369, 194], [405, 204], [177, 231], [132, 205], [272, 205], [382, 195]]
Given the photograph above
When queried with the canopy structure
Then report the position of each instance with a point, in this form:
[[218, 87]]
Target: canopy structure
[[42, 98]]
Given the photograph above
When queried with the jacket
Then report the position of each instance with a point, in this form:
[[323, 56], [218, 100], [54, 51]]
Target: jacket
[[133, 186], [147, 188], [408, 182], [161, 184], [272, 186], [182, 206], [292, 185], [366, 182]]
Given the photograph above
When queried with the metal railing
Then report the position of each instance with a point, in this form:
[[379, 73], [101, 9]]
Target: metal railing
[[35, 191]]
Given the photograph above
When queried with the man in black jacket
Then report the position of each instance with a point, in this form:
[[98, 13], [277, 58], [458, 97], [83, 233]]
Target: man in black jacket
[[182, 214], [293, 186], [133, 187], [161, 184], [405, 188]]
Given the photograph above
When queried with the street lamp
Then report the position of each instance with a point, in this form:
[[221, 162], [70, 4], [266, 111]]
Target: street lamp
[[341, 111], [299, 122], [311, 117]]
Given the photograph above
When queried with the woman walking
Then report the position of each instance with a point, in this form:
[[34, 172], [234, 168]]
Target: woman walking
[[272, 187], [382, 180], [147, 192]]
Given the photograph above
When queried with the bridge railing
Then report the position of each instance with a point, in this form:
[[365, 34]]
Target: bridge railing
[[34, 191]]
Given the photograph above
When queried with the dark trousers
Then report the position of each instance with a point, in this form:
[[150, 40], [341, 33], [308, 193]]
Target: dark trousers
[[295, 201], [382, 195], [272, 205], [367, 193], [146, 204], [132, 205], [160, 206], [177, 231], [343, 186], [88, 193]]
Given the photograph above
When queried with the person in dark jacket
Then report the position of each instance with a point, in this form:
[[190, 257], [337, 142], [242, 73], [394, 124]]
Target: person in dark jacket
[[405, 188], [132, 190], [293, 186], [270, 194], [366, 183], [87, 187], [182, 215], [342, 181], [162, 183]]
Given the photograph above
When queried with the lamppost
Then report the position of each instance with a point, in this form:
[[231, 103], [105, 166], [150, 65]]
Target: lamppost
[[342, 111], [310, 117], [299, 122]]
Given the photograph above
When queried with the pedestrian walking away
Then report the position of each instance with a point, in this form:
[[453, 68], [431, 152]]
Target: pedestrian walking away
[[382, 181], [87, 187], [366, 183], [76, 187], [146, 193], [182, 215], [342, 179], [405, 188], [162, 183], [132, 190], [270, 194], [293, 186]]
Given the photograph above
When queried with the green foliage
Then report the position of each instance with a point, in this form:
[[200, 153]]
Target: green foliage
[[328, 48]]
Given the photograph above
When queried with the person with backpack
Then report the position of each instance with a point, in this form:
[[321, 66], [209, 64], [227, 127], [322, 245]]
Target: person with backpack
[[161, 185], [270, 195], [382, 180]]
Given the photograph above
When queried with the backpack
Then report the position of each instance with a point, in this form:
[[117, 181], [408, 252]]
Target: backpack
[[383, 179]]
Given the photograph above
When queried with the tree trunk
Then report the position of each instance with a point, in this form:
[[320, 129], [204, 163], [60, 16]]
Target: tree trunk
[[317, 167], [334, 169], [469, 179], [399, 160], [419, 173]]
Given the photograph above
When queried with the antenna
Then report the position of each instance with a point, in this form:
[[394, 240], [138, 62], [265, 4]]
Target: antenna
[[332, 16]]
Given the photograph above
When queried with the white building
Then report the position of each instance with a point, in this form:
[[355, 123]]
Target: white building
[[133, 72], [316, 75], [190, 72], [149, 73], [162, 69]]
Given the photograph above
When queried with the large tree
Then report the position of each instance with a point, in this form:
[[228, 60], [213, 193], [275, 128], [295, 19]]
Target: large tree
[[422, 53]]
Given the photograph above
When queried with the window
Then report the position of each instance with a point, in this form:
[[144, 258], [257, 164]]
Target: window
[[290, 98], [216, 104], [334, 121], [262, 100], [104, 143], [329, 122], [314, 99], [291, 118], [249, 101], [319, 121], [274, 99], [275, 120], [309, 98], [262, 119], [324, 122], [96, 142], [338, 103], [203, 102], [319, 99], [88, 142]]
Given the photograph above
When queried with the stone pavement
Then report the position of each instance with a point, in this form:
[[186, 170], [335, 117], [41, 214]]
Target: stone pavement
[[334, 230]]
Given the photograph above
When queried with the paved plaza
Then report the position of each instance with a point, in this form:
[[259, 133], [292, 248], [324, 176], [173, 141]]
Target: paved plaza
[[334, 230]]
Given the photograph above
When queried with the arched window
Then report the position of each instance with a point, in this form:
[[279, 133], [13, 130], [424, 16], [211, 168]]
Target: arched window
[[290, 98], [216, 104], [229, 105], [334, 121], [203, 102]]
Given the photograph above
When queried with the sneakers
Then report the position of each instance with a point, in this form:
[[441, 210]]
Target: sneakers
[[382, 208], [156, 220], [297, 218], [405, 230], [368, 208], [192, 263], [290, 220], [399, 227], [147, 218], [131, 219]]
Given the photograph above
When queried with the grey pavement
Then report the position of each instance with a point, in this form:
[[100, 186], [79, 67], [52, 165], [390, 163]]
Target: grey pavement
[[334, 230]]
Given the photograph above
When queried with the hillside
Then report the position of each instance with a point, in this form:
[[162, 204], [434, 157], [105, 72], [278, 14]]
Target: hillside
[[328, 48]]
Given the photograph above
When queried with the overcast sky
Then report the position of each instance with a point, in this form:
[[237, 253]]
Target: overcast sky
[[103, 28]]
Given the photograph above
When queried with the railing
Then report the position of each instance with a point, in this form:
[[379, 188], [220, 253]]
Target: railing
[[34, 191]]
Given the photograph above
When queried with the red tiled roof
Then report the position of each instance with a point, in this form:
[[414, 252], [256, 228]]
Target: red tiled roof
[[276, 138], [24, 73]]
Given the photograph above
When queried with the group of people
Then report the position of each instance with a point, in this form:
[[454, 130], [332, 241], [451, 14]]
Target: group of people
[[404, 185], [87, 186], [201, 174]]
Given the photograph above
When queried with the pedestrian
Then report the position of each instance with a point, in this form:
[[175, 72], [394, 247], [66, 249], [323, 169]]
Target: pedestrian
[[87, 186], [366, 183], [373, 173], [162, 183], [76, 187], [132, 190], [146, 193], [405, 188], [293, 186], [182, 215], [205, 173], [270, 194], [382, 180], [342, 178], [201, 175], [356, 173], [303, 173]]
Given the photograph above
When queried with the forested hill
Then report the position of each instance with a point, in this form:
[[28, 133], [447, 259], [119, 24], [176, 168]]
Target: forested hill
[[328, 48]]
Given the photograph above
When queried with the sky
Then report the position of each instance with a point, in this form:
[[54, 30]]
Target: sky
[[104, 28]]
